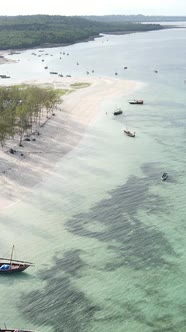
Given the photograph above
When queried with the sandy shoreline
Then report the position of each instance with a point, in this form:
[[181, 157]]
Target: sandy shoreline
[[4, 59], [19, 174]]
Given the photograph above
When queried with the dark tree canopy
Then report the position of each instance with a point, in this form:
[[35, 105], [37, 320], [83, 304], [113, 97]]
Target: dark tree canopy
[[17, 32], [21, 109]]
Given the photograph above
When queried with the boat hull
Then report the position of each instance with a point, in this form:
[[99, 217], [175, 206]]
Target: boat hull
[[164, 178], [136, 102], [117, 112], [15, 268], [128, 133]]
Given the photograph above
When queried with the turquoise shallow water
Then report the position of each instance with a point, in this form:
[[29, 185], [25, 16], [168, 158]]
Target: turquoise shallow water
[[106, 234]]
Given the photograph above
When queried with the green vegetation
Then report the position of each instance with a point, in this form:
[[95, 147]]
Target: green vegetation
[[17, 32], [21, 110], [135, 18], [61, 92], [80, 85]]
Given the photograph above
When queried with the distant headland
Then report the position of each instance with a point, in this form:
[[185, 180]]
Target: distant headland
[[24, 32]]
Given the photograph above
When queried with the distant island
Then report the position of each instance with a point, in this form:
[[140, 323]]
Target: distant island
[[23, 32], [135, 18]]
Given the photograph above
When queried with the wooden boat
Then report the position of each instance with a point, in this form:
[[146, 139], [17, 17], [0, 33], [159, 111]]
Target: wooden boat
[[164, 176], [4, 76], [136, 101], [129, 133], [9, 265], [118, 111]]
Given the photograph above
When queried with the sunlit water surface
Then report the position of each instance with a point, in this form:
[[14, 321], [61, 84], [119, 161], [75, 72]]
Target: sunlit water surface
[[107, 236]]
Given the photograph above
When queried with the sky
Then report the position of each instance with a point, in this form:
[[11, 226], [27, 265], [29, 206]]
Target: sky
[[93, 7]]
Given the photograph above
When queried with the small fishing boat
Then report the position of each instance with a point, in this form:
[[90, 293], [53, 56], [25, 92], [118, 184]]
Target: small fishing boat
[[136, 101], [54, 72], [45, 67], [4, 76], [155, 71], [164, 176], [129, 133], [9, 265], [125, 67], [118, 111]]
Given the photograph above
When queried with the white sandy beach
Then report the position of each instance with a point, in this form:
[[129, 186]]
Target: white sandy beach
[[19, 174], [4, 58]]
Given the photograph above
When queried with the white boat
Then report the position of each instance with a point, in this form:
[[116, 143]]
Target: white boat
[[136, 101], [164, 176]]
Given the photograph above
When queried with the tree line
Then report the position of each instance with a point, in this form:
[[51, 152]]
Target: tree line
[[135, 18], [21, 110], [18, 32]]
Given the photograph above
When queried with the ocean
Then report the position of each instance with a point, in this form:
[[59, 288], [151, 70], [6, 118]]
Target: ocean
[[107, 236]]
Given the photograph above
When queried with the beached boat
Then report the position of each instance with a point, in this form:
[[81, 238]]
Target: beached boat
[[9, 265], [164, 176], [129, 133], [54, 72], [118, 111], [4, 76], [12, 53], [136, 101]]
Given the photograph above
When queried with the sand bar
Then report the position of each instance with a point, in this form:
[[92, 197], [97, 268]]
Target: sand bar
[[60, 134]]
